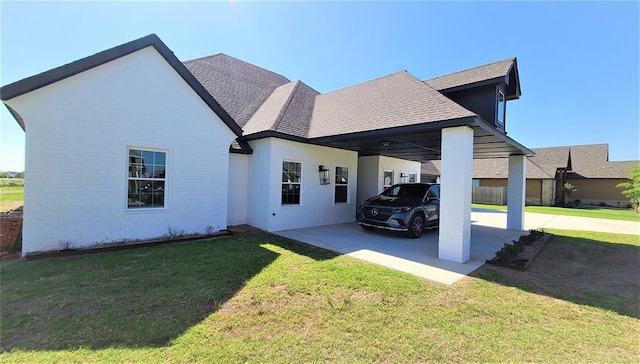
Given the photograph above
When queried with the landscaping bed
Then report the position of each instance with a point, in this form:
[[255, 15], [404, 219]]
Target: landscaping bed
[[122, 246], [521, 253]]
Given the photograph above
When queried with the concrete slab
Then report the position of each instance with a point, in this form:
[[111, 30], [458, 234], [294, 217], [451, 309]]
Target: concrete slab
[[420, 256], [415, 256]]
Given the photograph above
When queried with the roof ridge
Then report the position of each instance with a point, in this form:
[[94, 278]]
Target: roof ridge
[[203, 57], [573, 146], [239, 60], [367, 81], [511, 59], [276, 123]]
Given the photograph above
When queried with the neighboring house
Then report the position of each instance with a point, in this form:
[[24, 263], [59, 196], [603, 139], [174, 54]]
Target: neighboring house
[[586, 167], [131, 142]]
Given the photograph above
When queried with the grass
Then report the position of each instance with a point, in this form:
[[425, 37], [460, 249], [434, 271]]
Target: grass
[[582, 211], [255, 297], [11, 193]]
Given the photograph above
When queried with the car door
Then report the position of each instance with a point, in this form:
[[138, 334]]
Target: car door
[[431, 203]]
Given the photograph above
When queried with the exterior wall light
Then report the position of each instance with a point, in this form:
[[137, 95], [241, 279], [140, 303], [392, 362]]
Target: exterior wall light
[[324, 175]]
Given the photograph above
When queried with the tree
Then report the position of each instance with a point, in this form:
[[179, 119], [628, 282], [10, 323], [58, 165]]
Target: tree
[[568, 189], [632, 186], [2, 175]]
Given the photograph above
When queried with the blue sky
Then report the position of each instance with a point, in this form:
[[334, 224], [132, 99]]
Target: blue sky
[[578, 61]]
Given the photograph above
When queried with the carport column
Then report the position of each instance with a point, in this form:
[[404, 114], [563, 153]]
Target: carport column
[[454, 242], [516, 192]]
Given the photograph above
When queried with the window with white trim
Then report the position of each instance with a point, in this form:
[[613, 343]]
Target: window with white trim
[[291, 182], [342, 185], [147, 178]]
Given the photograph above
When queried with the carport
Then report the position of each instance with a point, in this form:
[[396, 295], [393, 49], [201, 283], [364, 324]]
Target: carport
[[456, 118], [456, 142]]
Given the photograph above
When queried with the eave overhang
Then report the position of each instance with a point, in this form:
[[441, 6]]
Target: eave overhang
[[419, 142]]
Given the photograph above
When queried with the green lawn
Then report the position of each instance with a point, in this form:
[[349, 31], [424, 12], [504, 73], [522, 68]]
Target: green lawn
[[255, 297], [583, 211], [11, 193]]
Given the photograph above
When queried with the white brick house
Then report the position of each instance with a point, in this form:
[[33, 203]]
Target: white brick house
[[130, 142]]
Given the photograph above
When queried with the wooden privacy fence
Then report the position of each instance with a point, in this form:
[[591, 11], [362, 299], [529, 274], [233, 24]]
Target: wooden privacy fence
[[489, 195], [10, 228]]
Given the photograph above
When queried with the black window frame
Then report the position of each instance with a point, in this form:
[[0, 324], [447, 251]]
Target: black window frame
[[291, 192], [341, 188]]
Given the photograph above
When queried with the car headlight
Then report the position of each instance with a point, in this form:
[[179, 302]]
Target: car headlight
[[396, 210]]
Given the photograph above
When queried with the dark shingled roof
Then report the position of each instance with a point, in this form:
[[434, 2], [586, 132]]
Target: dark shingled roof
[[587, 161], [395, 100], [288, 111], [492, 72], [255, 102], [240, 87]]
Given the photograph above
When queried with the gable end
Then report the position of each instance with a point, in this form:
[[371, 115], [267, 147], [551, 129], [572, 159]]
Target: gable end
[[57, 74]]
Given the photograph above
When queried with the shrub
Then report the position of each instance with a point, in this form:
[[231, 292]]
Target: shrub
[[504, 254], [510, 251], [602, 204]]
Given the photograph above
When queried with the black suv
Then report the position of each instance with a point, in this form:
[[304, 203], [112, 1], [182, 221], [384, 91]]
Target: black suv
[[408, 207]]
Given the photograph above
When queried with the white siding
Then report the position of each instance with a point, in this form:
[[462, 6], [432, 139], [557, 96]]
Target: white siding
[[371, 174], [77, 134], [369, 177], [259, 188], [238, 188], [317, 205]]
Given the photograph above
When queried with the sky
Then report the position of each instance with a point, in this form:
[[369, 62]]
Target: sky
[[578, 61]]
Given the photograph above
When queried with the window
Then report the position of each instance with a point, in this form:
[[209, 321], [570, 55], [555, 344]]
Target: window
[[412, 178], [433, 193], [291, 178], [412, 191], [342, 182], [387, 180], [501, 109], [146, 179]]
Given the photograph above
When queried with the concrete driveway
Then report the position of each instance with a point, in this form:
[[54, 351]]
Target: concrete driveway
[[415, 256], [420, 256], [533, 220]]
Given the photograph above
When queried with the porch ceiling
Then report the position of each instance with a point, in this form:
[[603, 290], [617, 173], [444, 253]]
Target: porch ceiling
[[423, 142]]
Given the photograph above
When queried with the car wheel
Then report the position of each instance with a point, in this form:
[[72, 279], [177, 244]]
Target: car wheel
[[416, 226], [368, 228]]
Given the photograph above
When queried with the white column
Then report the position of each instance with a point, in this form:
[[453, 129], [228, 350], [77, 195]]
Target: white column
[[454, 241], [516, 192]]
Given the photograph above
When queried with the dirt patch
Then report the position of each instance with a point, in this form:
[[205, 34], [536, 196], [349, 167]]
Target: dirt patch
[[238, 229], [583, 271]]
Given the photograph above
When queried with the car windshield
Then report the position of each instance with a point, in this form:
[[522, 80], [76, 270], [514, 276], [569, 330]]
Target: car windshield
[[410, 191]]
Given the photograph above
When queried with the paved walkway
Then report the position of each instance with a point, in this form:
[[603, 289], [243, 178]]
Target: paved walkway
[[532, 220], [420, 256]]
